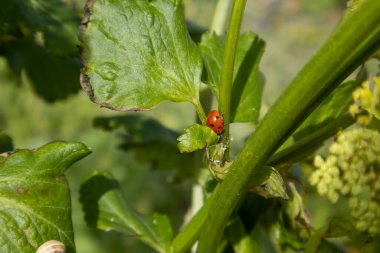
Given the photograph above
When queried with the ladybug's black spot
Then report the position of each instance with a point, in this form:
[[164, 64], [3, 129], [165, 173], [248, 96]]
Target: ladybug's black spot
[[212, 125], [219, 127], [216, 117]]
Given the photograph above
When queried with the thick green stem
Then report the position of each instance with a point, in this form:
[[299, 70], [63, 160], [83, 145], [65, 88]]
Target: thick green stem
[[226, 79], [354, 40]]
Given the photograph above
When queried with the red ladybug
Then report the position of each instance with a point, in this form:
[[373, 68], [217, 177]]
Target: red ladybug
[[215, 121]]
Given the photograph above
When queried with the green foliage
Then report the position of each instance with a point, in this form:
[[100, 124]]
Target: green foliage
[[324, 122], [39, 37], [335, 228], [248, 82], [138, 54], [53, 19], [35, 197], [53, 76], [105, 208], [151, 54], [151, 142]]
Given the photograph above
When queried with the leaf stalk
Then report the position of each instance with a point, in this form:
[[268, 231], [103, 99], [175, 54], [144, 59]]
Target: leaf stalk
[[226, 79]]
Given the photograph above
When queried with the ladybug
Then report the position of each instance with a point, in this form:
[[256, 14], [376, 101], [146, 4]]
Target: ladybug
[[215, 121]]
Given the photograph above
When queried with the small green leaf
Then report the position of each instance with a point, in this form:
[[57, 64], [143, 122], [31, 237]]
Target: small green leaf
[[261, 176], [106, 209], [138, 54], [196, 137], [295, 209], [268, 183], [151, 142], [248, 82], [35, 197]]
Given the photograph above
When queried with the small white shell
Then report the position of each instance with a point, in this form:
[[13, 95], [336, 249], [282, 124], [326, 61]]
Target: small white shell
[[52, 246]]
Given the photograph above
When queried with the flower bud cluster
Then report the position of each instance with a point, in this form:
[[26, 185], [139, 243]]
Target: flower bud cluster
[[366, 97], [352, 169]]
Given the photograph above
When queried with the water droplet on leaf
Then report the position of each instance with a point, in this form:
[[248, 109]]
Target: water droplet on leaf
[[108, 71], [145, 41], [149, 18], [128, 14]]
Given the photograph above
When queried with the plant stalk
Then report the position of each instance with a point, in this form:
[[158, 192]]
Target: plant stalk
[[221, 16], [200, 111], [226, 79]]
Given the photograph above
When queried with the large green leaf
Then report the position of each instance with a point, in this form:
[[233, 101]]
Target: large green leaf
[[106, 209], [57, 23], [40, 37], [151, 142], [248, 82], [52, 76], [35, 197], [138, 53]]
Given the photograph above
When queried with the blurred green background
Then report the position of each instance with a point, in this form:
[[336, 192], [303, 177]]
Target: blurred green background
[[293, 31]]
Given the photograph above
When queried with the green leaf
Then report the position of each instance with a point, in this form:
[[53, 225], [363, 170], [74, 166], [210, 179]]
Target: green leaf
[[341, 226], [196, 137], [239, 238], [138, 54], [151, 142], [35, 197], [305, 146], [53, 77], [56, 21], [295, 209], [248, 82], [323, 123], [336, 104], [5, 143], [106, 209], [336, 227], [268, 183], [41, 38]]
